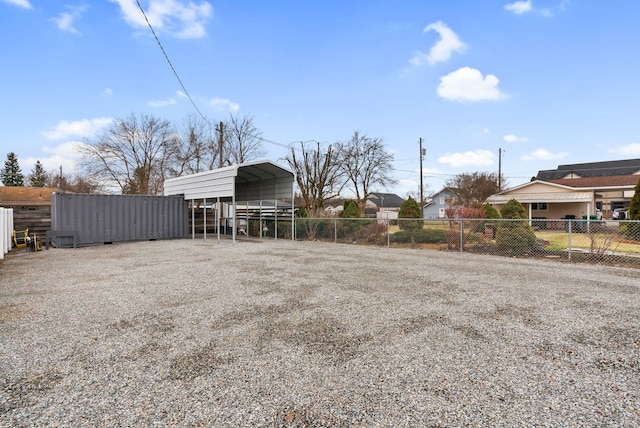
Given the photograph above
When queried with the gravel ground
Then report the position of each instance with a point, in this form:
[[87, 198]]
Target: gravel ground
[[281, 333]]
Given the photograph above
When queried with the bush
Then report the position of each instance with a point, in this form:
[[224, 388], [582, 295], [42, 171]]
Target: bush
[[514, 237], [351, 227], [423, 236]]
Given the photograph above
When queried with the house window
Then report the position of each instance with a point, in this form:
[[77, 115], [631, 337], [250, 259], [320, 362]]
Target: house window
[[442, 202], [539, 206]]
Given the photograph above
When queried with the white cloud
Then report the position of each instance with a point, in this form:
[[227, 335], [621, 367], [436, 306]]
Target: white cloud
[[21, 3], [519, 7], [224, 104], [468, 84], [107, 92], [184, 20], [66, 155], [632, 149], [511, 138], [440, 52], [78, 128], [486, 131], [522, 7], [543, 154], [65, 20], [477, 157], [162, 103]]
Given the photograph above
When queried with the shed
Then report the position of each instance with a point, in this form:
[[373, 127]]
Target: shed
[[248, 183]]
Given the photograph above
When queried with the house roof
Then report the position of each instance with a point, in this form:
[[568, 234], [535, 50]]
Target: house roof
[[542, 197], [593, 169], [599, 182], [386, 199], [558, 193], [444, 190], [21, 195]]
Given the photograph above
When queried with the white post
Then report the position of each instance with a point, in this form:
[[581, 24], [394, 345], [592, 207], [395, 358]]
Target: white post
[[233, 218], [293, 210], [193, 219], [3, 234], [204, 211], [275, 220], [218, 213]]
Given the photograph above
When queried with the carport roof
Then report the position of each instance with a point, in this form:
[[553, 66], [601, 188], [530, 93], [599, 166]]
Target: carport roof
[[254, 181]]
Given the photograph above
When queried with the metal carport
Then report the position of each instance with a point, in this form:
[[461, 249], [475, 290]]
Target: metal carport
[[247, 182]]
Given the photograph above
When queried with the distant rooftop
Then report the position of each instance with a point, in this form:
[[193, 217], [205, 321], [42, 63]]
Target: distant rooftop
[[593, 169]]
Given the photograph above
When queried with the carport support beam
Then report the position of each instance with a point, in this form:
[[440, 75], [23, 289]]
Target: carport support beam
[[193, 219]]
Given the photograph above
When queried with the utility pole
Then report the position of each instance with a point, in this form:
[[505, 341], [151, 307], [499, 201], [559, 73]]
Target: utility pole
[[499, 170], [422, 153], [220, 141]]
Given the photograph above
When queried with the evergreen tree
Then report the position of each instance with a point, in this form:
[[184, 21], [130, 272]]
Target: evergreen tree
[[410, 209], [11, 173], [38, 177], [351, 210]]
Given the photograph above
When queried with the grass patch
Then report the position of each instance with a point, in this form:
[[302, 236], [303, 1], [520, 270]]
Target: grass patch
[[559, 240]]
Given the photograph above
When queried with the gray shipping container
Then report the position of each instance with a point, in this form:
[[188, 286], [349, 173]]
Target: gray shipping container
[[102, 219]]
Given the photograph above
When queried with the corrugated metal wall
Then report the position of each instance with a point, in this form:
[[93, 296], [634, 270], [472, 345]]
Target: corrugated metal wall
[[99, 219]]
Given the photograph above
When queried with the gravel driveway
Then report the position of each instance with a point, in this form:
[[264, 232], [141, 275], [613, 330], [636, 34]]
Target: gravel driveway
[[281, 333]]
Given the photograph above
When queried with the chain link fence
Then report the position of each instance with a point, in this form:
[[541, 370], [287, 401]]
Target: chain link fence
[[590, 241]]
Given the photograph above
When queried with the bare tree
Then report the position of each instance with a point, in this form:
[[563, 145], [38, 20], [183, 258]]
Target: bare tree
[[134, 154], [318, 175], [365, 164], [242, 140], [199, 150], [472, 189], [77, 183]]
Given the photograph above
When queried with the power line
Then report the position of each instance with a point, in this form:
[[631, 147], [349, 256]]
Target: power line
[[171, 65]]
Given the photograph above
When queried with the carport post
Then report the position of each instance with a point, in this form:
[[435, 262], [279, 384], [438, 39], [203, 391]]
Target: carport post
[[260, 224], [233, 218], [193, 219], [204, 211], [218, 211], [275, 220]]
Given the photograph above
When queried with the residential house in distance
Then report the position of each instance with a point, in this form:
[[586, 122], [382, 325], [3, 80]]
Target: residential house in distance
[[576, 190], [31, 207], [436, 206], [383, 205]]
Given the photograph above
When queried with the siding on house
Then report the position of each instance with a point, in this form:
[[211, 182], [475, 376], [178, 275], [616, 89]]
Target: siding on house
[[437, 206]]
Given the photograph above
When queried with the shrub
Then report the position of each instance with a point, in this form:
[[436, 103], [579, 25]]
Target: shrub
[[514, 237], [351, 227], [410, 210], [632, 230], [423, 236]]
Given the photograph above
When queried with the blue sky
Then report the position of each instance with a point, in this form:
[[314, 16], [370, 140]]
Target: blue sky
[[548, 81]]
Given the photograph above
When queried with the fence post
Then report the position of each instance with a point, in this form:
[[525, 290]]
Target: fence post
[[335, 230], [461, 234], [387, 229], [569, 249]]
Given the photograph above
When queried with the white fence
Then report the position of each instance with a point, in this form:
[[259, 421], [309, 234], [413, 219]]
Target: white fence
[[6, 230]]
